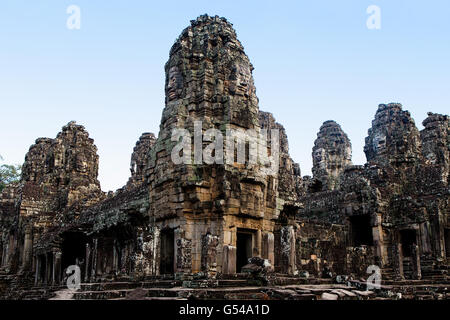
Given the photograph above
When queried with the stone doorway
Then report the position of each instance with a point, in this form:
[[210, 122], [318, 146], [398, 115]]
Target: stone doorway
[[447, 242], [361, 231], [73, 252], [244, 246], [408, 239], [167, 257]]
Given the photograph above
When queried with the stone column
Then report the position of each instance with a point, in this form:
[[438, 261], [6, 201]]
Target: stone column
[[87, 259], [36, 275], [258, 242], [57, 267], [47, 269], [28, 249], [183, 252], [115, 258], [229, 259], [441, 235], [94, 260], [377, 232], [10, 253], [415, 258], [398, 261], [292, 255], [268, 251], [5, 254], [288, 255]]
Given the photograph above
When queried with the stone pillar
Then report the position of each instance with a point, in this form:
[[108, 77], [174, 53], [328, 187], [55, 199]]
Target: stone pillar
[[5, 254], [288, 255], [1, 251], [229, 259], [397, 255], [94, 260], [183, 252], [28, 249], [377, 233], [36, 275], [10, 252], [56, 267], [441, 235], [87, 259], [292, 254], [115, 258], [415, 258], [268, 251], [209, 254], [258, 243], [47, 269]]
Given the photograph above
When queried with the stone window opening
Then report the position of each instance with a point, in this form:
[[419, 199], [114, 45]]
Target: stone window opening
[[361, 231]]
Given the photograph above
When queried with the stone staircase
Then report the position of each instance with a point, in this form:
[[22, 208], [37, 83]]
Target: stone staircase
[[227, 287], [21, 287], [408, 269], [438, 273]]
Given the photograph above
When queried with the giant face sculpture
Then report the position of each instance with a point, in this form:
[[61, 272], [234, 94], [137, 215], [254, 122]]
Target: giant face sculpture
[[379, 142], [242, 82], [319, 158], [174, 84], [81, 163]]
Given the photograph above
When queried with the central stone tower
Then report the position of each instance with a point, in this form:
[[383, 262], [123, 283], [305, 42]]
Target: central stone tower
[[210, 217]]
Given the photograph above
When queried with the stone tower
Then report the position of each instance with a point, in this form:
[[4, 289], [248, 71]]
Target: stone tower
[[436, 142], [231, 207], [393, 138], [332, 153]]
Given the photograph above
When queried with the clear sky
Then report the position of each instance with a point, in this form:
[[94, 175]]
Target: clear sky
[[314, 61]]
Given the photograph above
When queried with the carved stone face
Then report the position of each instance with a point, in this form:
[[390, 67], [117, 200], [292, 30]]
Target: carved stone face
[[348, 153], [379, 142], [174, 84], [319, 157], [81, 164], [242, 82]]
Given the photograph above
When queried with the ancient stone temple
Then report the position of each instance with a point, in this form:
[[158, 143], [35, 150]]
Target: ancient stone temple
[[196, 213]]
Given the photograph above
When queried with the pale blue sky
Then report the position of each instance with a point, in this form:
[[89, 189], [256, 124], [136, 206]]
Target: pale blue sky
[[314, 61]]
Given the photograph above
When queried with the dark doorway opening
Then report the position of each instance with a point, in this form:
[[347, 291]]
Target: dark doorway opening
[[42, 268], [361, 231], [316, 186], [447, 242], [408, 239], [167, 256], [50, 267], [243, 249], [73, 251]]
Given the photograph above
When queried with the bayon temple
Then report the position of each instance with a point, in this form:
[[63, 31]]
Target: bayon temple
[[196, 225]]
